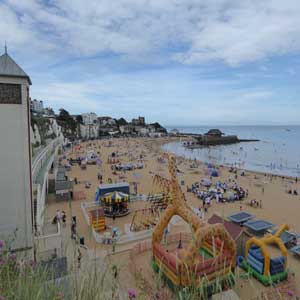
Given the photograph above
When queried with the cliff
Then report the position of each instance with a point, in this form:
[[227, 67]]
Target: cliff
[[43, 129], [72, 127]]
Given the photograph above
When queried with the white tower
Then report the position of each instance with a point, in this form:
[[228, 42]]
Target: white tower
[[15, 155]]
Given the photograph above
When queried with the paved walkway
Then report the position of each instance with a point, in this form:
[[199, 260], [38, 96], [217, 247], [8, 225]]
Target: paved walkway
[[90, 259]]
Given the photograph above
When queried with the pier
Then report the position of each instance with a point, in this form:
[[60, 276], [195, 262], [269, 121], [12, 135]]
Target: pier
[[213, 137]]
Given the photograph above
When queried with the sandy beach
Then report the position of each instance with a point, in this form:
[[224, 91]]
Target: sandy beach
[[278, 207]]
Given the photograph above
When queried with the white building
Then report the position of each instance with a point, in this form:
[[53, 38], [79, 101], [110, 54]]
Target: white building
[[89, 118], [48, 111], [174, 132], [37, 106], [106, 121], [15, 156], [126, 129], [89, 131], [139, 121]]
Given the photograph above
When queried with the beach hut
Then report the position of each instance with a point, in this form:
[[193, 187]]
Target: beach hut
[[63, 185]]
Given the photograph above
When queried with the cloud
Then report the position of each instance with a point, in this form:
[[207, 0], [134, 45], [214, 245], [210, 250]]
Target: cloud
[[175, 61], [187, 31], [170, 96]]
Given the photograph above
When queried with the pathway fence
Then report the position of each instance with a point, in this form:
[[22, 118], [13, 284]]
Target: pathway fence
[[41, 165], [147, 245]]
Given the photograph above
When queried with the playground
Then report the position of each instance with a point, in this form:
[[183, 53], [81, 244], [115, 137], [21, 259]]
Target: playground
[[246, 287], [150, 204]]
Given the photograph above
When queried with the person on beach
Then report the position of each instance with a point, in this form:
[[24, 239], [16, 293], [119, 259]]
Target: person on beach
[[73, 231], [64, 218], [79, 256], [206, 208], [59, 216], [179, 244], [200, 213], [54, 221]]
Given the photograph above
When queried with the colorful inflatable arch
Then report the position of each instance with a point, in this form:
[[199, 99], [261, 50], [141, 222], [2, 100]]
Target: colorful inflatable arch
[[258, 261], [210, 255]]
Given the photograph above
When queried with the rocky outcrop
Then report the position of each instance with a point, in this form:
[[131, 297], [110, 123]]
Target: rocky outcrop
[[70, 126], [89, 131], [44, 129], [35, 136]]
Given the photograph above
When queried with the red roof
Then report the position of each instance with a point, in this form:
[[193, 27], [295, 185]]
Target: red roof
[[233, 229]]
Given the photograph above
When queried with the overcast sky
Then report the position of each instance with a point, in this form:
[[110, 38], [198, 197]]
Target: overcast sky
[[179, 62]]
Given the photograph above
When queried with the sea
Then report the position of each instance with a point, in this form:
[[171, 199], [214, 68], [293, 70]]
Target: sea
[[277, 152]]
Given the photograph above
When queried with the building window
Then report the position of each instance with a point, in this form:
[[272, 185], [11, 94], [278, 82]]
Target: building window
[[10, 93]]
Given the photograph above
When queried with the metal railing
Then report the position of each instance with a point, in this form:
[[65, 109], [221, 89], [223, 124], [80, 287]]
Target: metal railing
[[42, 156], [43, 159]]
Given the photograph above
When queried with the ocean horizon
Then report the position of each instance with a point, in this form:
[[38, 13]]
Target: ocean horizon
[[276, 152]]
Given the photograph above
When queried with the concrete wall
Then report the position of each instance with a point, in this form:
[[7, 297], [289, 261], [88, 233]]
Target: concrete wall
[[15, 170]]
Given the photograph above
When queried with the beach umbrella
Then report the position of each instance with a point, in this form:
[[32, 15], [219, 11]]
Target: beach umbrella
[[206, 182], [231, 196], [136, 175], [210, 165], [214, 173], [115, 197]]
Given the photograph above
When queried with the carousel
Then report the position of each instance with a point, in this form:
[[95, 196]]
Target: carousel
[[115, 204]]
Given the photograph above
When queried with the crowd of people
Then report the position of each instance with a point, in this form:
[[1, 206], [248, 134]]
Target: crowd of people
[[127, 167], [292, 192], [220, 191], [60, 218]]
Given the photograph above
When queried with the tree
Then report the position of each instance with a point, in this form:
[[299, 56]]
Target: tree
[[63, 115], [121, 122], [68, 124], [79, 119]]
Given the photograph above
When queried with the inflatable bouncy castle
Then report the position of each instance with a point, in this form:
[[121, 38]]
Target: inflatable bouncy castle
[[206, 261], [260, 264]]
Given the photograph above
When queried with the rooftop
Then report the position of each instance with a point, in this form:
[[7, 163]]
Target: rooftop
[[9, 68], [214, 132], [113, 185], [233, 229]]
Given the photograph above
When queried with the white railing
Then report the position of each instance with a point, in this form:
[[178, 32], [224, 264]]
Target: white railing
[[41, 195], [85, 205], [43, 155], [135, 236], [147, 245], [123, 239], [139, 197]]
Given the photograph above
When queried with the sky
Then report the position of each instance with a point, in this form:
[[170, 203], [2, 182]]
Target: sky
[[178, 62]]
